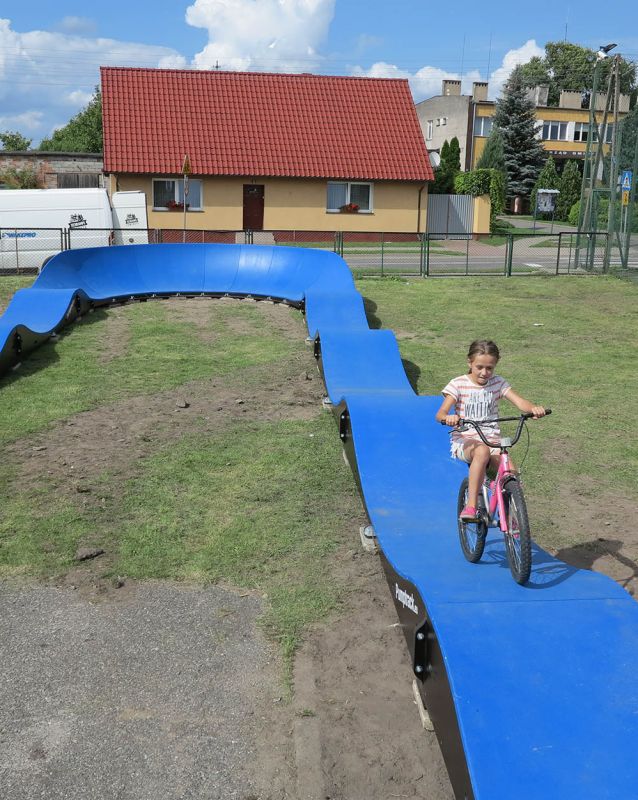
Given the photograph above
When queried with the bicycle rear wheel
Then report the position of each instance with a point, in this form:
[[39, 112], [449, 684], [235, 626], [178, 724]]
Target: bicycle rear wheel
[[518, 540], [471, 534]]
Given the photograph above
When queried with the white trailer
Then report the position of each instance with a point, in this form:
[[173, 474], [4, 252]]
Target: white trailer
[[35, 224]]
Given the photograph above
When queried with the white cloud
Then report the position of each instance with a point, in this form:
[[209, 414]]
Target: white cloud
[[46, 77], [512, 59], [427, 81], [273, 35], [78, 98], [77, 25], [28, 121]]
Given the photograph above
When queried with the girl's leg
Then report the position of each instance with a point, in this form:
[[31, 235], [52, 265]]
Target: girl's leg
[[478, 455]]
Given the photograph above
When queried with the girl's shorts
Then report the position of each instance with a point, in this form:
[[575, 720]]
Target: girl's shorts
[[458, 451]]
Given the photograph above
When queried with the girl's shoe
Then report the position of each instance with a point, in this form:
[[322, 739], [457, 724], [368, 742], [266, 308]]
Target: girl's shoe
[[468, 514]]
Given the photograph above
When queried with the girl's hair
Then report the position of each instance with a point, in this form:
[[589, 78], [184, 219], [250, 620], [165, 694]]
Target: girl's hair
[[483, 347]]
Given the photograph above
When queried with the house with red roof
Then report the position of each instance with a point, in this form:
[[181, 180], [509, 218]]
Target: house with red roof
[[266, 151]]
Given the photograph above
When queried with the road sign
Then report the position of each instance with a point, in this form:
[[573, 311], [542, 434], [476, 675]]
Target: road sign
[[625, 198], [626, 179]]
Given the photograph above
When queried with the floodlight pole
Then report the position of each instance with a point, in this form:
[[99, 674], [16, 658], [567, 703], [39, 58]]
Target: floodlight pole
[[613, 166]]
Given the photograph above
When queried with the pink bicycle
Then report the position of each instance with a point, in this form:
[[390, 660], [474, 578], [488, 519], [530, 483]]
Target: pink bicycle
[[500, 505]]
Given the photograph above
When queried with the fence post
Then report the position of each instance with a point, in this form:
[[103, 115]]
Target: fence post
[[509, 252], [421, 254], [467, 257], [560, 240], [427, 255], [382, 251]]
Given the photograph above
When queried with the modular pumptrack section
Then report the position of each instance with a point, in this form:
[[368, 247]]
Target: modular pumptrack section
[[533, 691]]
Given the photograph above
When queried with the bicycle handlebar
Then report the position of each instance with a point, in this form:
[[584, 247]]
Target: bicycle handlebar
[[476, 424]]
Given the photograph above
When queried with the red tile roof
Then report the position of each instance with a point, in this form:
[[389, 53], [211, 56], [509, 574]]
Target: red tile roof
[[249, 123]]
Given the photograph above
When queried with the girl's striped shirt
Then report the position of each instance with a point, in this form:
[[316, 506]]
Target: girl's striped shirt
[[477, 403]]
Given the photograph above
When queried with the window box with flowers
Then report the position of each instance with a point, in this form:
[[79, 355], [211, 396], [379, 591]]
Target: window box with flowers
[[349, 208], [173, 205]]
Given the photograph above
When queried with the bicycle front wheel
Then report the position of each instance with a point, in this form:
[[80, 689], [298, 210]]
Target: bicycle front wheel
[[518, 540], [471, 534]]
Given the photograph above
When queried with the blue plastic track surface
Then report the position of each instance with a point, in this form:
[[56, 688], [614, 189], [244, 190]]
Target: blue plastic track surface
[[543, 678]]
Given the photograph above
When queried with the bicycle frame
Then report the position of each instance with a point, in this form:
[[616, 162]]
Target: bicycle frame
[[495, 502]]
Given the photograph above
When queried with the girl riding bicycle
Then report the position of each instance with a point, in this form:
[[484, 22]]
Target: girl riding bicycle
[[475, 395]]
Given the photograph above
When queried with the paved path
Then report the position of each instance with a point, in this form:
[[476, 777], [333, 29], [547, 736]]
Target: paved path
[[147, 696]]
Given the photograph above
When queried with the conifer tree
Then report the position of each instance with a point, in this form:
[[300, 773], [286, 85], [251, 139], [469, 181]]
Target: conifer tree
[[570, 183], [448, 168], [516, 119], [493, 157]]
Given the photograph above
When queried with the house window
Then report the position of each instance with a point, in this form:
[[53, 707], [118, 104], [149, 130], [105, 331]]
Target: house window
[[342, 194], [581, 131], [557, 131], [483, 126], [429, 129], [170, 192], [609, 132]]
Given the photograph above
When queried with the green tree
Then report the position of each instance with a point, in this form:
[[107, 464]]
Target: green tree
[[569, 67], [493, 157], [629, 132], [548, 178], [515, 117], [570, 183], [448, 168], [12, 140], [83, 134]]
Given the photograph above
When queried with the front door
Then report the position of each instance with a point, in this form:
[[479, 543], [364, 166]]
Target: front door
[[253, 207]]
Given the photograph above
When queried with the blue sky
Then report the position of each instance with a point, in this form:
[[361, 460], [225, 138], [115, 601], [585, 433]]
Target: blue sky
[[50, 52]]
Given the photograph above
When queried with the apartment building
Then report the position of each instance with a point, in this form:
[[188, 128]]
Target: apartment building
[[563, 129]]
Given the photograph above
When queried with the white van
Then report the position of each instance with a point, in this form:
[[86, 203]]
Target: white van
[[129, 218], [35, 224]]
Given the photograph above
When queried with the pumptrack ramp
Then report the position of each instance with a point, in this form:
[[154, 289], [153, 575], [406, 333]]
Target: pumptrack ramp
[[533, 690]]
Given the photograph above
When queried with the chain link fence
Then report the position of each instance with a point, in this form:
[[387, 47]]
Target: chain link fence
[[367, 254]]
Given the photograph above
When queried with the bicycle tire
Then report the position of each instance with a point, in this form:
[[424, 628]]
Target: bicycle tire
[[472, 535], [518, 540]]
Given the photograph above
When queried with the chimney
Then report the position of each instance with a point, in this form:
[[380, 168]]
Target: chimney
[[479, 91], [451, 88]]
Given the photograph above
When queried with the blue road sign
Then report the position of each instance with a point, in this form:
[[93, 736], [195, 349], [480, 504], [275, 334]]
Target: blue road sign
[[625, 182]]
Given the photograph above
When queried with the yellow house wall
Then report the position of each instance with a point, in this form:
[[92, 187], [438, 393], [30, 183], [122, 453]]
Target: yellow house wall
[[545, 113], [482, 208], [288, 205]]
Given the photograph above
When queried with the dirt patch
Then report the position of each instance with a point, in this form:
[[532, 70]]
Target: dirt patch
[[118, 338], [601, 529], [371, 744]]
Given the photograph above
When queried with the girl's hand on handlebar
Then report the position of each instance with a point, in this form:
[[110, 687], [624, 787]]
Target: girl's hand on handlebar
[[452, 420], [538, 411]]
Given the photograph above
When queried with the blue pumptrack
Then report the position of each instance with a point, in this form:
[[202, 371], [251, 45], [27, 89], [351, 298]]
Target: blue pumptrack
[[533, 690]]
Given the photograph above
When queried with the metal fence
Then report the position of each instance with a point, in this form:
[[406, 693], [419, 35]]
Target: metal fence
[[370, 253]]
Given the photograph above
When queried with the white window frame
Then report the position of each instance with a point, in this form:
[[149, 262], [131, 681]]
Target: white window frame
[[561, 131], [176, 193], [429, 130], [579, 129], [481, 124], [349, 185]]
